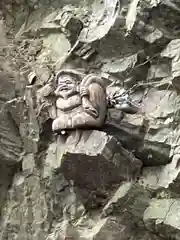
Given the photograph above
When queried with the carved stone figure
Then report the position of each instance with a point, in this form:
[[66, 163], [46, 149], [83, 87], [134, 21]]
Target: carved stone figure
[[79, 104]]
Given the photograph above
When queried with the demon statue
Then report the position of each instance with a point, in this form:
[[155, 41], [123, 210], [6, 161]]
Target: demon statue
[[80, 102]]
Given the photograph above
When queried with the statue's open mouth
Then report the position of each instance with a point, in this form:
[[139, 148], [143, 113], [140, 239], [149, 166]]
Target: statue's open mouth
[[64, 88]]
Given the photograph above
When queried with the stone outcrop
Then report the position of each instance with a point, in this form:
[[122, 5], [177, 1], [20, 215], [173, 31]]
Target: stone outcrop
[[92, 159]]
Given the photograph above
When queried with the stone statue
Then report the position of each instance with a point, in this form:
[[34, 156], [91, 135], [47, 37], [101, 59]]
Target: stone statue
[[79, 103]]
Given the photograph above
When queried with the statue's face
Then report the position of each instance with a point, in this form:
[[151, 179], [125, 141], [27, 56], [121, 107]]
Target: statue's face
[[66, 82]]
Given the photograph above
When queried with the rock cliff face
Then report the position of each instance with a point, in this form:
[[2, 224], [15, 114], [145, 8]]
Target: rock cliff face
[[119, 182]]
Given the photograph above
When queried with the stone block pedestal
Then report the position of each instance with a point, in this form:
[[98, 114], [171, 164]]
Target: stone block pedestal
[[94, 159]]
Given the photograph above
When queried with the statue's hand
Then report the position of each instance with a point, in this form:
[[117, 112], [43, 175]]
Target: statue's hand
[[84, 91], [92, 111], [88, 107]]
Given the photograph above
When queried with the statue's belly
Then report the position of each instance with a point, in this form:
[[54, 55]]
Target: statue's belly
[[68, 104]]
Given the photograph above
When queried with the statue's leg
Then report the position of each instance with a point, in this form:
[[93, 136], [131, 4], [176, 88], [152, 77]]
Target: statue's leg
[[83, 120], [93, 111]]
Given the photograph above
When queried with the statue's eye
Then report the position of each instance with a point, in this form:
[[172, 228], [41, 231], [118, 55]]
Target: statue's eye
[[68, 82]]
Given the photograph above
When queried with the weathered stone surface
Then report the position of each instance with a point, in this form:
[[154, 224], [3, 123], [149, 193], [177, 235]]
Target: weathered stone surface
[[52, 53], [64, 231], [11, 145], [26, 205], [6, 178], [162, 217], [171, 51], [34, 204], [150, 133], [52, 209], [129, 196], [44, 204], [120, 65], [159, 71], [121, 228], [128, 129], [3, 41], [163, 176]]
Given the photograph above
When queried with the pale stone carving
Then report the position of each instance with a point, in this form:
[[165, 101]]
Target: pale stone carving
[[79, 104], [79, 101]]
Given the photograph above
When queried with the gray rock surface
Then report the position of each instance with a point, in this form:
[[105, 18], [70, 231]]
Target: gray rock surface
[[160, 217], [11, 144], [115, 183]]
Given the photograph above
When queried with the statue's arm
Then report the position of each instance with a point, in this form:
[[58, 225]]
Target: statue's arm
[[86, 103], [95, 103], [94, 108]]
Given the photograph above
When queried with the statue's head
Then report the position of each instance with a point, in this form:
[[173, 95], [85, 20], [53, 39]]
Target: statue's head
[[67, 79]]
